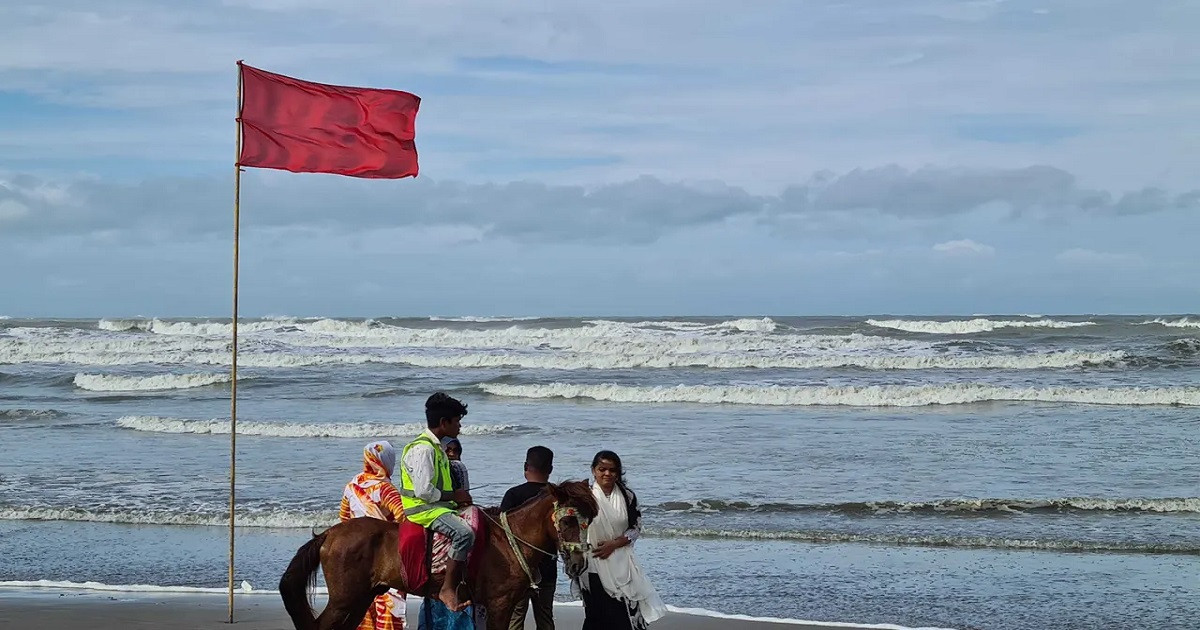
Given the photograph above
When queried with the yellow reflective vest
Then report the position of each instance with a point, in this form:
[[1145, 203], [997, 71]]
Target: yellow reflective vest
[[416, 509]]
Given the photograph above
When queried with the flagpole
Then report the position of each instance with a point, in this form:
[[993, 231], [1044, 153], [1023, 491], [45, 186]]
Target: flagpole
[[237, 199]]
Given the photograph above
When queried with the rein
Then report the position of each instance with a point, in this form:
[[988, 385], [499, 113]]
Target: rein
[[559, 514]]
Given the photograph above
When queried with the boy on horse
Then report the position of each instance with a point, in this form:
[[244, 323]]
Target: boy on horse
[[427, 491]]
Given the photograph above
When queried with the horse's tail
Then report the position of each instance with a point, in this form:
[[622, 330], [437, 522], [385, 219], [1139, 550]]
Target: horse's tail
[[299, 577]]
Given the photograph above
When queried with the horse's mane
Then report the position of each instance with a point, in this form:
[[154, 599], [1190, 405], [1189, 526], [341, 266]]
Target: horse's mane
[[579, 496]]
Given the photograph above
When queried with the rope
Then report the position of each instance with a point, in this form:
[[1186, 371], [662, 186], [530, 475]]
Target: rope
[[512, 541], [504, 525]]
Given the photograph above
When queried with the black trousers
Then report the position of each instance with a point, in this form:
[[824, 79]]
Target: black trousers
[[600, 610], [543, 605]]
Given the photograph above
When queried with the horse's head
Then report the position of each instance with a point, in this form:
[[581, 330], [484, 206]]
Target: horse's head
[[574, 509]]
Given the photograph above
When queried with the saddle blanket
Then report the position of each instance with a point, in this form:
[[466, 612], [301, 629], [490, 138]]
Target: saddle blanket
[[412, 549]]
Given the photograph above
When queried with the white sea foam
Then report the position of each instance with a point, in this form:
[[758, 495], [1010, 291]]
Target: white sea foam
[[279, 519], [599, 345], [702, 612], [969, 326], [577, 361], [30, 414], [157, 382], [1172, 505], [122, 325], [156, 424], [1173, 323], [962, 542], [1167, 505], [131, 588], [856, 396], [482, 319], [209, 329]]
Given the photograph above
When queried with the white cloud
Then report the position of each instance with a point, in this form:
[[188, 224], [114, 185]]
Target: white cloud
[[793, 88], [966, 101], [964, 247]]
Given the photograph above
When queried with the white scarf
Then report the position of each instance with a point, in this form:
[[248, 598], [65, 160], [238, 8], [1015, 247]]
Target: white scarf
[[619, 573]]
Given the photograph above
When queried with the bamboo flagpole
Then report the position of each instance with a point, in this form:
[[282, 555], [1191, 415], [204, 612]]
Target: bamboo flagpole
[[237, 199], [300, 126]]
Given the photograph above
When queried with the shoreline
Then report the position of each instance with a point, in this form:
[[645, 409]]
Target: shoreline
[[116, 607]]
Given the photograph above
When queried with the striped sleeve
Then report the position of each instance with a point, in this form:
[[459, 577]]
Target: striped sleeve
[[344, 513], [389, 499]]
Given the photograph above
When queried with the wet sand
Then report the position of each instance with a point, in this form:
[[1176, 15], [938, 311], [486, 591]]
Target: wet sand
[[32, 609]]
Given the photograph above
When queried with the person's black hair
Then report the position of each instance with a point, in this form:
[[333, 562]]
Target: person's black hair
[[540, 459], [441, 406], [631, 502]]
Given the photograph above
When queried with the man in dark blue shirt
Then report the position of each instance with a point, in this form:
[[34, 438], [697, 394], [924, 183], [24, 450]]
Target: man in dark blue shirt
[[539, 463]]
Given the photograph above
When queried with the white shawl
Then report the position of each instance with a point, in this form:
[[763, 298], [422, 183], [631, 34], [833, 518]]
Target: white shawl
[[619, 573]]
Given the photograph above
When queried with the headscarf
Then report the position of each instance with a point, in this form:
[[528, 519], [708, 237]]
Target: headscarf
[[379, 460], [447, 441]]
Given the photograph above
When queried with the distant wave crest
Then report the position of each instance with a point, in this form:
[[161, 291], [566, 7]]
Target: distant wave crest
[[156, 424], [1183, 505], [969, 326], [30, 414], [1185, 322], [964, 542], [854, 396], [283, 519], [162, 327], [156, 382], [481, 319]]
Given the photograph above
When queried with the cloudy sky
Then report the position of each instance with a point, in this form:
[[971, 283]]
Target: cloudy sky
[[613, 158]]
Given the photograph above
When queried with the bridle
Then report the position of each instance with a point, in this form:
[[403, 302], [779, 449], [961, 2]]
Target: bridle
[[565, 547], [557, 517]]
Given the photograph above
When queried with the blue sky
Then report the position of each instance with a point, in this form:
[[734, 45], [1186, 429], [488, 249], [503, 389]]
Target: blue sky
[[620, 158]]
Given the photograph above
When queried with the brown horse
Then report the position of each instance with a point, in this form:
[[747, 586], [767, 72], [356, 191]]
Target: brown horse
[[361, 560]]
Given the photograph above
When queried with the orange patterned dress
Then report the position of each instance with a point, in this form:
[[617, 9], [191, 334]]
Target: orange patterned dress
[[371, 493]]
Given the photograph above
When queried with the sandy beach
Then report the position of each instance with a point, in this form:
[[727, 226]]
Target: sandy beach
[[22, 609]]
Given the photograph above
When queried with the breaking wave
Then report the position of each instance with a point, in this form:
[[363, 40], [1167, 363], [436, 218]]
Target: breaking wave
[[854, 396], [1184, 347], [157, 382], [482, 319], [308, 519], [962, 542], [1185, 322], [283, 519], [1185, 505], [156, 424], [543, 351], [245, 588], [969, 326], [30, 414], [161, 327]]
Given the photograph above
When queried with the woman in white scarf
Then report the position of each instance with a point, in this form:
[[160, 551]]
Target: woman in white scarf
[[616, 594]]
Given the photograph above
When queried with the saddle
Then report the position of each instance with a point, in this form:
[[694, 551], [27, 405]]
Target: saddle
[[415, 547]]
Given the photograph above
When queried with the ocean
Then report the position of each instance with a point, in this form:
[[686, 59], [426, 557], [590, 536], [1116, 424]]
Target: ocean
[[1021, 471]]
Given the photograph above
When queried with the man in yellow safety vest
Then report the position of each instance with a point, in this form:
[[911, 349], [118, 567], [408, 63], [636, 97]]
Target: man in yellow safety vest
[[428, 495]]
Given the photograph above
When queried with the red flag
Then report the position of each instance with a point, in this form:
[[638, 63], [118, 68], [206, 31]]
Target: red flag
[[307, 127]]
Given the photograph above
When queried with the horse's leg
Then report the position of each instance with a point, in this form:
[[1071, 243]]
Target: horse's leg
[[346, 611], [353, 577], [500, 611], [499, 588]]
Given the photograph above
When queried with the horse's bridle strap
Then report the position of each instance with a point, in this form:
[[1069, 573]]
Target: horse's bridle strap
[[512, 541]]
